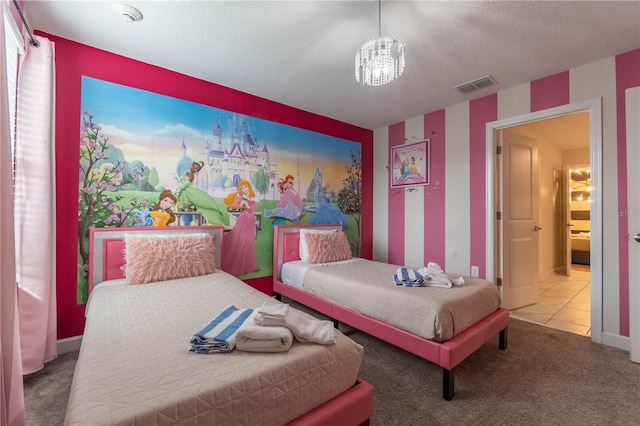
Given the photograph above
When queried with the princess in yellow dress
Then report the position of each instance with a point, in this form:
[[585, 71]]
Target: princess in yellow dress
[[161, 213]]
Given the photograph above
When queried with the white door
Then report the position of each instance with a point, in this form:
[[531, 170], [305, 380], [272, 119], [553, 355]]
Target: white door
[[633, 190], [520, 220], [566, 216]]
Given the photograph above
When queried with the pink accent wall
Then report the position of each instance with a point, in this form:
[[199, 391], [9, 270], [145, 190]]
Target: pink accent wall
[[550, 91], [74, 60], [627, 75], [481, 112], [396, 205], [366, 214], [434, 194]]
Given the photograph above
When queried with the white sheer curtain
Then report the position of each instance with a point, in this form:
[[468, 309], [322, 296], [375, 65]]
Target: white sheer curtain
[[35, 205], [12, 394]]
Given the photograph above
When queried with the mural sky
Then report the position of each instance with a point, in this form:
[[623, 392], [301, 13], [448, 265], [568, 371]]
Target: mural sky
[[152, 127]]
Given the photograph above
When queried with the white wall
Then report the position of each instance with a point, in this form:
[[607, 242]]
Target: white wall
[[550, 255]]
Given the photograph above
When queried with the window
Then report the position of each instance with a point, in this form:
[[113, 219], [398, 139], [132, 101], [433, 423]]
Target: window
[[14, 46]]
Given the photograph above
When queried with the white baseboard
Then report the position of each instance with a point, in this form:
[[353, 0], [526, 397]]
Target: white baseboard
[[69, 344], [617, 341]]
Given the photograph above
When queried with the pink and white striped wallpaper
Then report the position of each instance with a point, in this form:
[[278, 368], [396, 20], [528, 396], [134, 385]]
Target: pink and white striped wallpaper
[[451, 212]]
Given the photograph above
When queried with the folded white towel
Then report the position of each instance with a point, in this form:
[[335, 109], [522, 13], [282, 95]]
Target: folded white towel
[[220, 334], [275, 311], [252, 337], [304, 327], [434, 276]]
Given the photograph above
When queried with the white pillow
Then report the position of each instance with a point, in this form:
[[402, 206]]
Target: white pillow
[[304, 249]]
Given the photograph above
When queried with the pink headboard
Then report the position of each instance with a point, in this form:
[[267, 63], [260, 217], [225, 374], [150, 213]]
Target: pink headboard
[[286, 243], [107, 248], [290, 247]]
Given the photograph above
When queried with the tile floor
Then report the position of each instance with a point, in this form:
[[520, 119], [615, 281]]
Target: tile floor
[[564, 302]]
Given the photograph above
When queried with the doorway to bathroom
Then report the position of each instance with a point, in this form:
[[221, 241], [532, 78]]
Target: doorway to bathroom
[[563, 295], [543, 279]]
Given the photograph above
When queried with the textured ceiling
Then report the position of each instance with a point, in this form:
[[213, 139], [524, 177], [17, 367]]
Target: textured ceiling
[[301, 53]]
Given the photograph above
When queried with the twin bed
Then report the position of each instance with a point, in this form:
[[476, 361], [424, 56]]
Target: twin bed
[[441, 325], [135, 367]]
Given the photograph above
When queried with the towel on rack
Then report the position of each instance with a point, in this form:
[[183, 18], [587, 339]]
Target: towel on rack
[[252, 337], [219, 335], [408, 277], [304, 327]]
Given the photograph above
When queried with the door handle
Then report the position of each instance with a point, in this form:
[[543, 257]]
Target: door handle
[[537, 228], [637, 237]]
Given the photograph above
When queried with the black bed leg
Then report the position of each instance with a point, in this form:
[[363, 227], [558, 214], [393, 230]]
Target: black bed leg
[[447, 384], [502, 344], [336, 323], [278, 297]]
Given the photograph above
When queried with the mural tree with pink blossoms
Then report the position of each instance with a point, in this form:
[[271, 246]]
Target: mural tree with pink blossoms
[[100, 175]]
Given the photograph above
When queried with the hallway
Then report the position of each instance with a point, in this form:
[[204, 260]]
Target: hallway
[[564, 303]]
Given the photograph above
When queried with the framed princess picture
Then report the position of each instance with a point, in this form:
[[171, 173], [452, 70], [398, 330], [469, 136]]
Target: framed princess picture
[[409, 164]]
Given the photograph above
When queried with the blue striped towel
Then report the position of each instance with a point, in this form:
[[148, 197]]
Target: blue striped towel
[[408, 278], [220, 334]]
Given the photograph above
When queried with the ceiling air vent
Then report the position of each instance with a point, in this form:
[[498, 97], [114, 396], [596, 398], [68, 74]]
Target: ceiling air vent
[[477, 84]]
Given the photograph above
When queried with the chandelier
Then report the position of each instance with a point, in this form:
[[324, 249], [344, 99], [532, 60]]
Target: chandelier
[[379, 61]]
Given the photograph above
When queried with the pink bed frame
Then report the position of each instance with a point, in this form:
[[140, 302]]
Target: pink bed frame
[[447, 355], [106, 248], [106, 262]]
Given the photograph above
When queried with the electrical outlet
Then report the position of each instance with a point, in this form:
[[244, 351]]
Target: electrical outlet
[[475, 271]]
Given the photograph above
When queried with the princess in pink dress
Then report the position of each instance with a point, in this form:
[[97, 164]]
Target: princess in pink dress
[[290, 205], [239, 244]]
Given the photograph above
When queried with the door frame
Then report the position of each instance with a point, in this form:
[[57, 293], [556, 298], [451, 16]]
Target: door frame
[[566, 217], [632, 106], [594, 107]]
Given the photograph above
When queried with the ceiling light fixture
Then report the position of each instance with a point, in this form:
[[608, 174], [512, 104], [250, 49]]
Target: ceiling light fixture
[[379, 61], [129, 13]]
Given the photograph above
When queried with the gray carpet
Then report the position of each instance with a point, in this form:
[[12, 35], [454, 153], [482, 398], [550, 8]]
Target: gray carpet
[[545, 377]]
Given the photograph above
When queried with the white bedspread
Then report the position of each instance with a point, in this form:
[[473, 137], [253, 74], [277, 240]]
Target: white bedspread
[[367, 287], [135, 367]]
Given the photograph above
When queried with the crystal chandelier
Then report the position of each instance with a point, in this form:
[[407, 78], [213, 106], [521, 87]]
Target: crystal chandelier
[[379, 61]]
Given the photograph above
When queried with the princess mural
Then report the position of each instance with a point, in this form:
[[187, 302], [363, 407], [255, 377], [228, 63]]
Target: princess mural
[[290, 204], [161, 213], [148, 159], [239, 244]]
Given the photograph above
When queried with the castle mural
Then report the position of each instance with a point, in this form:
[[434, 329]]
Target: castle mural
[[152, 160]]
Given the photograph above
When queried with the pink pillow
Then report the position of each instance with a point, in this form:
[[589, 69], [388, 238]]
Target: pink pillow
[[325, 248], [303, 250], [152, 258]]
